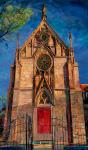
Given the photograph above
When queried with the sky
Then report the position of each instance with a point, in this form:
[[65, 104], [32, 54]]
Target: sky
[[64, 16]]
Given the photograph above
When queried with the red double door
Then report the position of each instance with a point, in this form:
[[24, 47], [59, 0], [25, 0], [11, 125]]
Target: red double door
[[44, 120]]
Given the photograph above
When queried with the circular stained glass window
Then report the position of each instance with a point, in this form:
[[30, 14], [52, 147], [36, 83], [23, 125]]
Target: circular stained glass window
[[44, 62], [43, 37]]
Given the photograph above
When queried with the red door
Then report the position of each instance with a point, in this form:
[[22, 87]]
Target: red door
[[44, 120]]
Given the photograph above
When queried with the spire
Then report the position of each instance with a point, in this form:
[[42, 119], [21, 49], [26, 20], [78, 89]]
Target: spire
[[71, 50], [44, 12], [17, 48], [17, 43], [70, 39]]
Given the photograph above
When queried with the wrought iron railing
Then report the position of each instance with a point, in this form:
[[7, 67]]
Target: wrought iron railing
[[21, 134]]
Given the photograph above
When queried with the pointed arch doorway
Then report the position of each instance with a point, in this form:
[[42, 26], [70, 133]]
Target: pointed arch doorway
[[44, 112], [44, 120]]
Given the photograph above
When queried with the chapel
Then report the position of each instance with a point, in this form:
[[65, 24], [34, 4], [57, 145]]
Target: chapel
[[45, 104]]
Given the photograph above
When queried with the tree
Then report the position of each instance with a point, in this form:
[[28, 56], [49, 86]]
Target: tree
[[12, 18], [2, 113], [2, 116], [3, 100]]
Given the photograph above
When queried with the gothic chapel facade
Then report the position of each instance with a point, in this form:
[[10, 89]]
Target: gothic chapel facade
[[45, 85]]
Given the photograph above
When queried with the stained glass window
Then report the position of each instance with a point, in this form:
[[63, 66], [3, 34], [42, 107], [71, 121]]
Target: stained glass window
[[44, 62]]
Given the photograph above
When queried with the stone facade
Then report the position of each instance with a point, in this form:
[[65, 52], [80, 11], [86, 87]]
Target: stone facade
[[47, 76], [84, 88]]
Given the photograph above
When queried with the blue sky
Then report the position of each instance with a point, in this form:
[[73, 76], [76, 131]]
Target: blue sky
[[64, 16]]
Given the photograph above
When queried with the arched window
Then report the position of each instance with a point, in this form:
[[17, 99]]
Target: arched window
[[44, 97]]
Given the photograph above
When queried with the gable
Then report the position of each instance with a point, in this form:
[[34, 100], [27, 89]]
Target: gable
[[43, 36]]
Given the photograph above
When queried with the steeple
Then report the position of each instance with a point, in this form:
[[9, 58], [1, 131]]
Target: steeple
[[71, 50], [70, 39], [44, 12], [17, 42], [17, 48]]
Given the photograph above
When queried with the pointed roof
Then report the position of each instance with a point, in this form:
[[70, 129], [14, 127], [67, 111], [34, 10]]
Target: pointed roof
[[42, 23]]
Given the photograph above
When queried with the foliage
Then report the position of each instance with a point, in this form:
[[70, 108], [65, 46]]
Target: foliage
[[2, 113], [3, 101], [12, 18]]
